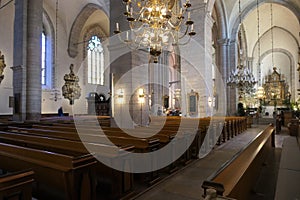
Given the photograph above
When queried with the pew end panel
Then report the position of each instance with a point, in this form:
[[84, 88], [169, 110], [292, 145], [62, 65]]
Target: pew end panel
[[16, 185]]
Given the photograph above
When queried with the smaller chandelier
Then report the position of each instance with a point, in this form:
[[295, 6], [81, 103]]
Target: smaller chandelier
[[243, 79], [155, 23]]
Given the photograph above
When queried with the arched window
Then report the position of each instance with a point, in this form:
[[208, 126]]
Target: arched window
[[43, 59], [47, 53], [95, 59]]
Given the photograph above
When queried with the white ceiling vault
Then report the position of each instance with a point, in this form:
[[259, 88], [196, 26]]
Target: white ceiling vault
[[286, 29]]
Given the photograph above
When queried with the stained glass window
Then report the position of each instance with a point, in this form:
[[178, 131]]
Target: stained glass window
[[95, 61]]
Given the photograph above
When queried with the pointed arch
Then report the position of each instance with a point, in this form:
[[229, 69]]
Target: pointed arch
[[78, 25]]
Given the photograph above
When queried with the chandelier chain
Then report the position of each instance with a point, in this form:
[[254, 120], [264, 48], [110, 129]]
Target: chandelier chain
[[241, 78], [272, 33], [240, 12], [258, 33]]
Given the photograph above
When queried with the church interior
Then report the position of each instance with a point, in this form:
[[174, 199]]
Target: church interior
[[149, 99]]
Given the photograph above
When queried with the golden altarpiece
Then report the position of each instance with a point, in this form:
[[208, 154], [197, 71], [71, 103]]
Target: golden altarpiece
[[276, 89]]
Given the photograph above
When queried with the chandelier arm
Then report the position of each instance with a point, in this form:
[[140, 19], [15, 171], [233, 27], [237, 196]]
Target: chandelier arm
[[184, 43], [153, 22]]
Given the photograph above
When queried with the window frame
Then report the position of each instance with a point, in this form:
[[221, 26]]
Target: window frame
[[48, 30]]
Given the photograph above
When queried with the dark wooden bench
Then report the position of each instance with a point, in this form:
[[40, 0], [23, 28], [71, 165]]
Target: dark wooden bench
[[112, 177], [237, 177], [92, 141], [57, 176], [16, 185], [142, 145]]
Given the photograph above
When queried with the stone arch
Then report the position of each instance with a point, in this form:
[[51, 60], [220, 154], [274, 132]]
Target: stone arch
[[269, 30], [252, 6], [91, 31], [77, 26]]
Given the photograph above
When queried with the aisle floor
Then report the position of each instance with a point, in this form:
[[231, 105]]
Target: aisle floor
[[186, 183]]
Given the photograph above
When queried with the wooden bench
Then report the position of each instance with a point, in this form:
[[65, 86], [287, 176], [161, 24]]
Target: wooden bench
[[75, 148], [142, 145], [94, 142], [238, 175], [16, 185], [57, 176]]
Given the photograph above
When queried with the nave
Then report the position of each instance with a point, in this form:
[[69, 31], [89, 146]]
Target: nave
[[180, 180]]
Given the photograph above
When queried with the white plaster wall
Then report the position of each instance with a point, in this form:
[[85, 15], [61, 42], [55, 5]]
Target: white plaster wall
[[6, 47], [67, 13]]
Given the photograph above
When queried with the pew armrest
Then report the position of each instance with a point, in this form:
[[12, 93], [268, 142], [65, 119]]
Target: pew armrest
[[213, 185]]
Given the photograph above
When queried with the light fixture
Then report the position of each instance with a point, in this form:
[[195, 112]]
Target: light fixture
[[154, 24], [120, 95], [241, 78], [210, 102], [141, 95]]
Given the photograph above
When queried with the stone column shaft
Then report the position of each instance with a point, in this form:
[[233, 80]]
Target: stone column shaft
[[19, 63], [33, 93]]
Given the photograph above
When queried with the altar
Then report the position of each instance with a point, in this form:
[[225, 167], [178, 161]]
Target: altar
[[275, 90]]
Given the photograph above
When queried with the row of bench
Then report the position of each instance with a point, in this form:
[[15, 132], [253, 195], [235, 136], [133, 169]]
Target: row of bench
[[65, 169], [236, 178]]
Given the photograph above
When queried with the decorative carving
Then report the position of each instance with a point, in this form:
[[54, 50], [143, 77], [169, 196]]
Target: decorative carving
[[2, 66], [71, 90], [276, 89]]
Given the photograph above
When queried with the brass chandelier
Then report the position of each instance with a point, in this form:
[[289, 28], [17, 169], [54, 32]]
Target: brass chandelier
[[242, 78], [154, 24]]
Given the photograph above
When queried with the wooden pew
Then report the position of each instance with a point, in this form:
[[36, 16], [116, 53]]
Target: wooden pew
[[70, 141], [142, 145], [164, 137], [57, 176], [75, 148], [16, 185], [238, 175]]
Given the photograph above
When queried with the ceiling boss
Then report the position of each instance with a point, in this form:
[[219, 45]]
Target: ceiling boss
[[154, 24]]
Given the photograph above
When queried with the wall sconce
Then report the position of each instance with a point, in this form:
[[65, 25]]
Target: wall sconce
[[209, 101], [120, 96], [141, 95]]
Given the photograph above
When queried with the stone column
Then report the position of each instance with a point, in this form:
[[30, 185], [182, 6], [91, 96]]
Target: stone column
[[34, 30], [27, 60], [223, 45], [232, 94], [159, 81], [197, 67], [19, 63]]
